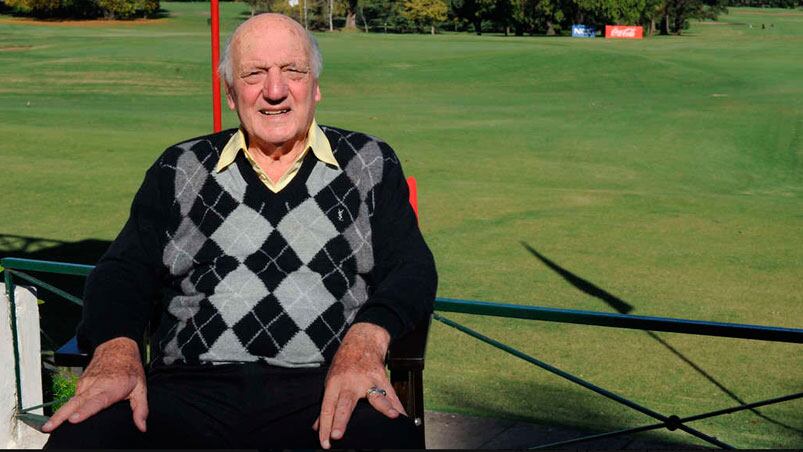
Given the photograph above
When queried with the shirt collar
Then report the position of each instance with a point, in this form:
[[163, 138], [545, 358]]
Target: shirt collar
[[316, 139]]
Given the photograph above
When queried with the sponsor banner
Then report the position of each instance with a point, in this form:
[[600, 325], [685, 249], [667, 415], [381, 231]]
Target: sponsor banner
[[583, 31], [623, 32]]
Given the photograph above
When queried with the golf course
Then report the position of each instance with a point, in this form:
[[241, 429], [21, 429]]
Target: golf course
[[654, 177]]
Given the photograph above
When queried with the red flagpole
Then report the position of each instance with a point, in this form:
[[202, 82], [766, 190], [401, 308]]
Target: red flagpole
[[215, 13]]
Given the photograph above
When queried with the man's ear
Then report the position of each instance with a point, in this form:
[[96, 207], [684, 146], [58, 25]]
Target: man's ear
[[230, 97], [317, 92]]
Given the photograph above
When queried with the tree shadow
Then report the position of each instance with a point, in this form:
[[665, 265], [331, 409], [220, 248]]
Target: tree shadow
[[58, 317], [624, 307], [161, 13], [618, 305], [543, 427]]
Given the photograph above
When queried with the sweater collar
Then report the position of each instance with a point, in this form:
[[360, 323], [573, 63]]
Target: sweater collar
[[316, 140]]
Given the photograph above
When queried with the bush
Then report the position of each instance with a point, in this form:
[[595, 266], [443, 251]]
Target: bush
[[37, 8], [127, 9], [63, 387], [85, 9]]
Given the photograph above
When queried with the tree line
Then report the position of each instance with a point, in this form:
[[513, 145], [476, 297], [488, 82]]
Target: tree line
[[516, 17], [81, 9], [510, 17]]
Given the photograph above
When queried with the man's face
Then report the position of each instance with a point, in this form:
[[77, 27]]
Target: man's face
[[274, 90]]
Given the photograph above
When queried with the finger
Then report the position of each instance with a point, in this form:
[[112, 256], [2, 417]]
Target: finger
[[383, 405], [139, 408], [345, 406], [394, 399], [330, 397], [395, 402], [62, 414], [90, 405], [315, 424]]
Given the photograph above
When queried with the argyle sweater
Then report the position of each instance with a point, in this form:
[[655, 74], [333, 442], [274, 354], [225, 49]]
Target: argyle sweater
[[232, 272]]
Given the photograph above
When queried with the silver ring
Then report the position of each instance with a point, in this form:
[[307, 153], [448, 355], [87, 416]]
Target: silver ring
[[376, 390]]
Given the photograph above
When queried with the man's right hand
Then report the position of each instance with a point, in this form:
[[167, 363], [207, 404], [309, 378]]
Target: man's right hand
[[114, 374]]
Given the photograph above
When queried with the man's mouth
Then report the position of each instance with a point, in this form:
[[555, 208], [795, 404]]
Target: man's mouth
[[274, 112]]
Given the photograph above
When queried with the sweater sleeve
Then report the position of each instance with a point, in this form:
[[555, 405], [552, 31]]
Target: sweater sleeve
[[120, 292], [404, 276]]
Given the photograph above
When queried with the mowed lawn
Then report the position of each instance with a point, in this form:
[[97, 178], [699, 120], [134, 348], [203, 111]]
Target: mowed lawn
[[666, 172]]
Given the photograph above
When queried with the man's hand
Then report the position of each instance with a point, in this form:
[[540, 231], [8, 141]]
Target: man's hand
[[358, 365], [115, 373]]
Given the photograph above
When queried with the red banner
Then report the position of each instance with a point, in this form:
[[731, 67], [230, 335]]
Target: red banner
[[624, 32]]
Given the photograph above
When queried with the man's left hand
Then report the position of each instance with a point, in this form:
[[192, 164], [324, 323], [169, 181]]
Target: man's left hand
[[358, 366]]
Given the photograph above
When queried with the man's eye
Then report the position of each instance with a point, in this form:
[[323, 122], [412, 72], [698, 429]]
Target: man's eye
[[294, 73], [253, 76]]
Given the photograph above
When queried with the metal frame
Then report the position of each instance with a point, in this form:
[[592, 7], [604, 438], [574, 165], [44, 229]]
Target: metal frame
[[671, 422], [14, 336]]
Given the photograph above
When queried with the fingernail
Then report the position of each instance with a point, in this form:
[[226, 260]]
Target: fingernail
[[336, 434], [75, 417], [325, 444], [47, 425]]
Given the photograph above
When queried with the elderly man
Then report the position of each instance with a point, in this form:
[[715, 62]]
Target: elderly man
[[280, 259]]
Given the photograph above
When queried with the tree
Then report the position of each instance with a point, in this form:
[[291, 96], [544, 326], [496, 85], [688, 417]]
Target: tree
[[386, 15], [678, 12], [427, 12], [256, 6], [653, 11], [608, 12], [538, 16], [351, 14], [474, 11]]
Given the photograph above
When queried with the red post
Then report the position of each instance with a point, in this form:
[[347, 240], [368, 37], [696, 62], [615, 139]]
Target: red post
[[411, 184], [215, 13]]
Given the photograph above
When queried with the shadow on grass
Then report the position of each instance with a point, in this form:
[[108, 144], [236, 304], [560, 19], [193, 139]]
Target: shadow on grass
[[58, 317], [160, 14], [623, 307], [548, 430]]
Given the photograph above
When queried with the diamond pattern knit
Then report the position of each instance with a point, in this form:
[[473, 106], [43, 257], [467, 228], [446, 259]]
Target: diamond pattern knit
[[246, 274]]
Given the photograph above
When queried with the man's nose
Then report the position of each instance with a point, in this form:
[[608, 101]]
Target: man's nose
[[275, 87]]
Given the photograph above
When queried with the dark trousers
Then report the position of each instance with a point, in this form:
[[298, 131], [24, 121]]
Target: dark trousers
[[245, 406]]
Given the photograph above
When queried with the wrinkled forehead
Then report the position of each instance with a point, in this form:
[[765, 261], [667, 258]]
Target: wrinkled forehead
[[271, 40]]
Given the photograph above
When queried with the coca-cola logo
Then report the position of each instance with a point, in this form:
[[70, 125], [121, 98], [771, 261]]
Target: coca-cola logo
[[623, 33]]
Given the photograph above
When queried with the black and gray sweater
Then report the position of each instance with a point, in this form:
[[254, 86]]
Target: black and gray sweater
[[233, 272]]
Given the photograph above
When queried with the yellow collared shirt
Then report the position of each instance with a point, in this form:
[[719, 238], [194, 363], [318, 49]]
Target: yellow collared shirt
[[316, 140]]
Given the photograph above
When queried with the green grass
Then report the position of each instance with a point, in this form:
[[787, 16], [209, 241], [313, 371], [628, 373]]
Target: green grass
[[64, 382], [665, 171]]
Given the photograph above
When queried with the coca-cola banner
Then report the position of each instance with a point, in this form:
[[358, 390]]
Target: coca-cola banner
[[623, 32]]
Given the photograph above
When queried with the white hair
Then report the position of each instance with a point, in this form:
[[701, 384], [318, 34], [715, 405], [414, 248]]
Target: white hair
[[226, 70]]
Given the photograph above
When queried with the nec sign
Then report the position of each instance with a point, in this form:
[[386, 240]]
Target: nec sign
[[583, 31]]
